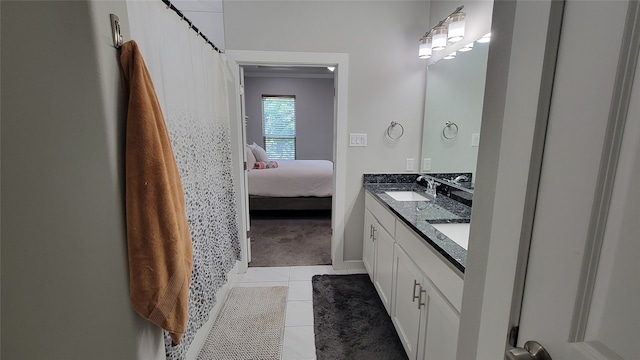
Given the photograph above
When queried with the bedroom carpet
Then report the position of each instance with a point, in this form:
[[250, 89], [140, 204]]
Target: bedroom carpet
[[290, 240], [350, 321]]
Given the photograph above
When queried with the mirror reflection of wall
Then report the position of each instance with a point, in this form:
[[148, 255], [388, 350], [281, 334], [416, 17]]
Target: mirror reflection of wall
[[454, 92]]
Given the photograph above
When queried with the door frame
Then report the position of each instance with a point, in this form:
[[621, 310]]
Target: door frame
[[521, 65], [237, 58]]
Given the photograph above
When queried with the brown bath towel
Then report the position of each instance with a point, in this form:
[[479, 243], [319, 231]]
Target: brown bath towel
[[160, 253]]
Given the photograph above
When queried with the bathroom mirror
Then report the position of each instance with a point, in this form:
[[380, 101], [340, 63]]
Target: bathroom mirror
[[454, 96]]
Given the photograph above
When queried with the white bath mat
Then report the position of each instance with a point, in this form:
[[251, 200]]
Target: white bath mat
[[249, 326]]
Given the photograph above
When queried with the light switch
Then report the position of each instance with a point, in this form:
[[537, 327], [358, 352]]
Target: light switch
[[357, 139]]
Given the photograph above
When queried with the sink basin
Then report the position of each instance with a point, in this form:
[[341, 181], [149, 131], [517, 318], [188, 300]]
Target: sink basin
[[406, 196], [456, 232]]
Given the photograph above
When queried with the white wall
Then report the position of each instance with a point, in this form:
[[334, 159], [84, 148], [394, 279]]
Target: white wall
[[64, 251], [386, 78], [207, 16], [314, 112]]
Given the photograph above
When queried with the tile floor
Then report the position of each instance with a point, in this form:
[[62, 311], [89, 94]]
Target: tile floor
[[299, 342]]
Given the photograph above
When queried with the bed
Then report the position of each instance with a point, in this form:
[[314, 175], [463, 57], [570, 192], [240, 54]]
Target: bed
[[293, 185]]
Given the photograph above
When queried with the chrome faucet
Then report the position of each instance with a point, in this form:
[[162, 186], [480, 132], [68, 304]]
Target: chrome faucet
[[460, 178]]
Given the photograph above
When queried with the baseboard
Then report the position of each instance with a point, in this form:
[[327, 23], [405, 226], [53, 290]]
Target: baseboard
[[349, 265], [221, 295]]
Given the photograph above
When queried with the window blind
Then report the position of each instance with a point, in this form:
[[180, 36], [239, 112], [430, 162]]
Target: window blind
[[279, 126]]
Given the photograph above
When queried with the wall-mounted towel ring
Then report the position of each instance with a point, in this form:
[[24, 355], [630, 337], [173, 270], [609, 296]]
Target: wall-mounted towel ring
[[391, 127], [453, 133]]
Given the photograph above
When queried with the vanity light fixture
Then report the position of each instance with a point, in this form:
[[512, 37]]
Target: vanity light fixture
[[485, 38], [450, 56], [424, 51], [456, 27], [467, 47], [439, 36], [447, 31]]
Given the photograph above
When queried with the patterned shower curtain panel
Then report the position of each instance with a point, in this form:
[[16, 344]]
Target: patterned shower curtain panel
[[191, 81]]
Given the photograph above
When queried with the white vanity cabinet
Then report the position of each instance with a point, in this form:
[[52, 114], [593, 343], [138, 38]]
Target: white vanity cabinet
[[439, 323], [368, 245], [377, 248], [407, 295], [427, 295], [426, 322], [419, 287], [383, 279]]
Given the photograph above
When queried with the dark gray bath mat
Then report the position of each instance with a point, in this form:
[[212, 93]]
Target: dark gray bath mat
[[350, 321]]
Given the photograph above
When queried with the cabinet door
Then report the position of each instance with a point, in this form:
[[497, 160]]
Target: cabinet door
[[405, 312], [368, 245], [439, 326], [383, 279]]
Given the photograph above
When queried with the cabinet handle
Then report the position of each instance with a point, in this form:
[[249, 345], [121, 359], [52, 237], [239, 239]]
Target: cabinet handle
[[415, 284], [420, 303], [371, 231], [374, 233]]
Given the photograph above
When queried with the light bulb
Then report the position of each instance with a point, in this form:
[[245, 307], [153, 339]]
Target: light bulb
[[439, 38], [485, 39], [424, 51], [467, 47], [456, 27]]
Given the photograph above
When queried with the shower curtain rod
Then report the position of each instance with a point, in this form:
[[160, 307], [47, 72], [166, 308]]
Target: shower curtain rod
[[191, 25]]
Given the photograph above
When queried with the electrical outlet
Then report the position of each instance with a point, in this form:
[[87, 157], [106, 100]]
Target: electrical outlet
[[426, 164], [410, 163], [475, 139]]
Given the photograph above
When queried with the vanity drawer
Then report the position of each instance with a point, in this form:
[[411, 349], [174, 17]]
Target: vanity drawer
[[381, 213]]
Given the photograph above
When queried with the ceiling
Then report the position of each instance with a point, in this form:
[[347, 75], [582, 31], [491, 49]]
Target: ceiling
[[287, 71]]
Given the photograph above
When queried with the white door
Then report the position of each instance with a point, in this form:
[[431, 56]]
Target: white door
[[405, 307], [383, 279], [582, 291], [581, 297], [368, 244], [439, 325], [243, 116]]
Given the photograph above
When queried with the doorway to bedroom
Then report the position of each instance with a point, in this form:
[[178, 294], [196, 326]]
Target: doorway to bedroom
[[289, 117]]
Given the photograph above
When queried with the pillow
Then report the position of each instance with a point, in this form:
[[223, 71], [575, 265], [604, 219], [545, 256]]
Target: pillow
[[251, 159], [259, 152], [266, 165]]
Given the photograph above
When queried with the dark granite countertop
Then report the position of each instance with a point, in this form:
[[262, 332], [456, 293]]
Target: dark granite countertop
[[419, 215]]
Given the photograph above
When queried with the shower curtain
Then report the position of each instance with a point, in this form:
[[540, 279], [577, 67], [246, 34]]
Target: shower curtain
[[191, 80]]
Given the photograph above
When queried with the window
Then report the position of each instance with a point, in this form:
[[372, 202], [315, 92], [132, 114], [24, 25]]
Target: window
[[279, 126]]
